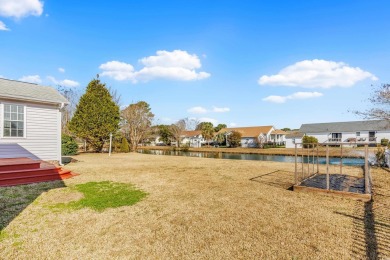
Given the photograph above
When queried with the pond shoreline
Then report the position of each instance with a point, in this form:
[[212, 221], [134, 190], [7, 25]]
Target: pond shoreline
[[333, 151]]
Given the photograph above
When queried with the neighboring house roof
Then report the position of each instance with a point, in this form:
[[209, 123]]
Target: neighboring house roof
[[278, 132], [253, 131], [18, 90], [191, 133], [353, 126], [294, 134]]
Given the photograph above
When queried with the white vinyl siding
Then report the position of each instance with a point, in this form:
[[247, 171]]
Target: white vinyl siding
[[363, 136], [41, 138]]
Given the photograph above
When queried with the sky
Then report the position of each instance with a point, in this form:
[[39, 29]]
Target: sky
[[240, 63]]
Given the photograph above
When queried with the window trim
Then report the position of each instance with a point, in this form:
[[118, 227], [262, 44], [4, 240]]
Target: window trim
[[3, 119]]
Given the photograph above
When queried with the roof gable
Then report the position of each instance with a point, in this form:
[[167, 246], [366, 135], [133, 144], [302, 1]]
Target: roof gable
[[191, 133], [278, 132], [353, 126], [253, 131], [294, 134], [18, 90]]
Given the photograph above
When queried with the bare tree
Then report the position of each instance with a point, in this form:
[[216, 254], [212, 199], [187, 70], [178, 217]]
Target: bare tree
[[180, 126], [381, 100], [137, 122], [259, 141], [73, 96], [116, 97], [177, 130]]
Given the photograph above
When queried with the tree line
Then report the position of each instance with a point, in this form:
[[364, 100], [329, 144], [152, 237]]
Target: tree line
[[97, 114]]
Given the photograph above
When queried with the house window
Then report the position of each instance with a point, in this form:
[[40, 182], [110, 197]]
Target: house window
[[336, 137], [357, 133], [13, 121]]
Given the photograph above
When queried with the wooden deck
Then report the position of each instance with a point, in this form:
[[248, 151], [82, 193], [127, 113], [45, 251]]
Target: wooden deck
[[16, 171]]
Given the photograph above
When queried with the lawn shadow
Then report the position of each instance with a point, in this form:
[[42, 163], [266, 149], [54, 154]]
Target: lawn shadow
[[279, 179], [14, 199], [371, 230]]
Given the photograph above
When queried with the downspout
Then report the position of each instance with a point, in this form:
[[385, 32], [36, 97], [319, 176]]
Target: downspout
[[61, 107]]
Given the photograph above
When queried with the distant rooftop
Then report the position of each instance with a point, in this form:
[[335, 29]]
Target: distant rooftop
[[19, 90], [253, 131], [352, 126]]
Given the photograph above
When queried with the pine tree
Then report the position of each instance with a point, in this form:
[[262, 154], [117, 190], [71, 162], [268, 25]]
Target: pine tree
[[124, 146], [96, 115]]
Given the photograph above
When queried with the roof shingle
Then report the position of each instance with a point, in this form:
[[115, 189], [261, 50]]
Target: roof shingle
[[353, 126], [18, 90], [253, 131]]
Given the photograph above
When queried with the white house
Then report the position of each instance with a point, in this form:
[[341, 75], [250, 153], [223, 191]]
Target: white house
[[253, 136], [30, 121], [192, 138], [278, 137], [293, 138], [354, 132]]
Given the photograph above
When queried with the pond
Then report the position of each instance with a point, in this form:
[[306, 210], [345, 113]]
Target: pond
[[256, 157]]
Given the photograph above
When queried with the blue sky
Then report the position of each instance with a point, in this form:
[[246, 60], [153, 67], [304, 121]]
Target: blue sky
[[242, 63]]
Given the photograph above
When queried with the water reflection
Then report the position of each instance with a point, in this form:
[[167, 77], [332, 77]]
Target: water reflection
[[257, 157]]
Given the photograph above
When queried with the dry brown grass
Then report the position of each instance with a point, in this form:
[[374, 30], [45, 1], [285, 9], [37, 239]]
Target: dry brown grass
[[196, 209]]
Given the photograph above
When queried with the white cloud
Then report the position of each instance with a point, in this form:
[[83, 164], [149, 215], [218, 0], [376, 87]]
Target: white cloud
[[221, 109], [3, 27], [275, 99], [317, 74], [207, 119], [232, 124], [171, 73], [175, 59], [65, 82], [20, 8], [175, 65], [117, 70], [62, 70], [202, 110], [32, 79], [297, 95], [197, 110]]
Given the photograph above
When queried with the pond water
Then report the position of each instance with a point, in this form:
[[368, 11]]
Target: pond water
[[257, 157]]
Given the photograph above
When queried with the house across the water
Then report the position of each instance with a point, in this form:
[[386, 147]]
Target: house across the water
[[292, 138], [192, 138], [256, 135], [354, 132]]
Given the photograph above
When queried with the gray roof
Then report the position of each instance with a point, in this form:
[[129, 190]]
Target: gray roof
[[353, 126], [18, 90], [294, 134]]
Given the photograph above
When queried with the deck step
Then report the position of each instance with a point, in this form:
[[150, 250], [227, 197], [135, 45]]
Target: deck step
[[28, 172], [16, 171], [64, 174], [10, 164]]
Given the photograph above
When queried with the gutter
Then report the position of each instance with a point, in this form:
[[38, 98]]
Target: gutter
[[34, 100]]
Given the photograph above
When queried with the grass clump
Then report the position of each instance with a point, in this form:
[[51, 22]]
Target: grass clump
[[102, 195]]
